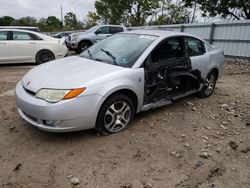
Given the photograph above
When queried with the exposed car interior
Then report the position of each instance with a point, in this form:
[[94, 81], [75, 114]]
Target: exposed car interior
[[168, 71]]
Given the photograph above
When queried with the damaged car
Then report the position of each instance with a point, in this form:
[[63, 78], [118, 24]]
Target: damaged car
[[127, 73]]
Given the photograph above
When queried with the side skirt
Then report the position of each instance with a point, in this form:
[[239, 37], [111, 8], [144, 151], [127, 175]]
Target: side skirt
[[165, 102]]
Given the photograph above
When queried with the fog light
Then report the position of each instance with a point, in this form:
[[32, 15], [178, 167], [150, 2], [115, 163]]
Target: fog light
[[52, 122]]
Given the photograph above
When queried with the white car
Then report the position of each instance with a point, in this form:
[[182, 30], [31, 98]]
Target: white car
[[23, 46]]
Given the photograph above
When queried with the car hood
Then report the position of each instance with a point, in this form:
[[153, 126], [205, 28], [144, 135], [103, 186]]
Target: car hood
[[68, 73]]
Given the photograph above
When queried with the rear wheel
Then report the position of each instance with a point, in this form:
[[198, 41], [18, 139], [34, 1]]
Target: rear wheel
[[115, 114], [209, 85], [44, 56]]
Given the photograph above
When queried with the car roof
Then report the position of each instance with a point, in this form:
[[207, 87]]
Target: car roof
[[161, 33], [111, 25], [21, 30]]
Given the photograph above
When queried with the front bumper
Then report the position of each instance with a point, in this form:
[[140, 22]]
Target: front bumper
[[72, 44], [75, 114]]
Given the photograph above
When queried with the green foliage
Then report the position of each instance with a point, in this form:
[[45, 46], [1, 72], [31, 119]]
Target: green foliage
[[25, 21], [141, 12], [171, 13], [113, 11], [52, 23], [6, 20], [71, 21], [91, 20], [236, 9]]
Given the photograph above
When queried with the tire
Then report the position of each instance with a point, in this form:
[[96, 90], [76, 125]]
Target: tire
[[115, 114], [209, 85], [44, 56], [82, 47]]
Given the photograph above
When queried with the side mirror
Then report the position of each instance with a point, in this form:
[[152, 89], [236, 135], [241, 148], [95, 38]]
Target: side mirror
[[97, 32]]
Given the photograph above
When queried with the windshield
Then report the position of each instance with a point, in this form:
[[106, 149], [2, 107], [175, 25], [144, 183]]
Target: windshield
[[92, 29], [121, 49]]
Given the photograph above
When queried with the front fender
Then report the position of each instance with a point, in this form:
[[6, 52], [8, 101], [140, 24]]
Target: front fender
[[133, 81]]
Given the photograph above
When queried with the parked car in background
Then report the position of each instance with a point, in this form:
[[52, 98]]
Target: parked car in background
[[83, 40], [63, 34], [111, 81], [36, 29], [23, 46]]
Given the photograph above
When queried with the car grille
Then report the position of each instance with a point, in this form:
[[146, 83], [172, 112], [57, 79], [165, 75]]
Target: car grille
[[29, 91]]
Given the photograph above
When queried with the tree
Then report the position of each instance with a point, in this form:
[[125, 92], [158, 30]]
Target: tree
[[113, 11], [128, 12], [142, 9], [6, 20], [70, 20], [236, 9], [42, 24], [91, 20], [171, 12], [25, 21], [53, 22]]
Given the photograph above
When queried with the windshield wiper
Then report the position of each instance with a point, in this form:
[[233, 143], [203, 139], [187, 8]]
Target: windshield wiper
[[110, 55], [90, 54]]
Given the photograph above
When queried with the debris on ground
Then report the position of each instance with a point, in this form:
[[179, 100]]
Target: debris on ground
[[17, 167], [233, 145], [74, 181]]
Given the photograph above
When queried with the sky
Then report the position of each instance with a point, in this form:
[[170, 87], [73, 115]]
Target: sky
[[45, 8]]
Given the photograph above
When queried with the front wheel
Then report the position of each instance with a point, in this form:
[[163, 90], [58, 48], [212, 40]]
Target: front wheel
[[209, 85], [44, 56], [115, 114], [82, 47]]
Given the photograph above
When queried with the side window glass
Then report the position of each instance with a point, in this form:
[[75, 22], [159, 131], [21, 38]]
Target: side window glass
[[172, 48], [114, 30], [194, 47], [22, 36], [103, 30], [3, 35]]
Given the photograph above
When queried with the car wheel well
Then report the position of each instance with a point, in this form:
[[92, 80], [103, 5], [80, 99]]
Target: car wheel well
[[129, 93], [216, 71], [86, 41]]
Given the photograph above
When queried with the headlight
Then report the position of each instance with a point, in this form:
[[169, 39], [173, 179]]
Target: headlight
[[56, 95], [74, 37]]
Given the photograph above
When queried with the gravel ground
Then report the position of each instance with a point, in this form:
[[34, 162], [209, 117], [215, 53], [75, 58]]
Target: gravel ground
[[196, 143]]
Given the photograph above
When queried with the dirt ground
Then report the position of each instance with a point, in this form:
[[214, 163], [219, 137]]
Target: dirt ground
[[196, 143]]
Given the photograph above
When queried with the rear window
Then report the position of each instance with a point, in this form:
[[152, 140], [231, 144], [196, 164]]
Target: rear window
[[114, 30], [24, 36], [194, 47]]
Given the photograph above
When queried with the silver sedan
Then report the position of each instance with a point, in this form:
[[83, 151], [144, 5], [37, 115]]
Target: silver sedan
[[105, 86]]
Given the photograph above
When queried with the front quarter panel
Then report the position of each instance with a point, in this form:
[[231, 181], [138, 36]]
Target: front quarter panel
[[131, 79]]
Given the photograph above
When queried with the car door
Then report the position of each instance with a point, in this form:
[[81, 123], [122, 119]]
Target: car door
[[102, 33], [195, 49], [169, 53], [4, 47], [23, 46]]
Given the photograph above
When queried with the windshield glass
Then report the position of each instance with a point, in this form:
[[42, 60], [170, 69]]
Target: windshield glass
[[121, 49], [92, 29]]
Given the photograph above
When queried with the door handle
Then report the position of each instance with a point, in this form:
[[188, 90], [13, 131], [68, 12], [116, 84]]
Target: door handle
[[32, 43], [3, 43]]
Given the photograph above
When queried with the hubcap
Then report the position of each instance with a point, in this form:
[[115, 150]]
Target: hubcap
[[84, 47], [45, 57], [209, 84], [117, 116]]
